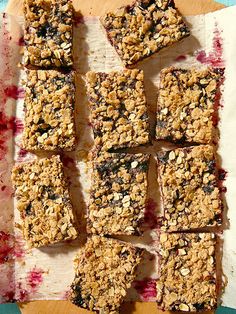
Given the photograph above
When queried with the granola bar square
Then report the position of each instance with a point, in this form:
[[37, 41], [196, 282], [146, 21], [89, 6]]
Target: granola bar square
[[187, 278], [189, 188], [48, 33], [118, 109], [118, 194], [139, 30], [104, 270], [43, 202], [186, 105], [49, 111]]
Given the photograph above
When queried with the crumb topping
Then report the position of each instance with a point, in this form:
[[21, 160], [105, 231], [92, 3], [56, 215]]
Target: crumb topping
[[49, 111], [118, 194], [43, 202], [48, 33], [189, 188], [104, 270], [187, 279], [139, 30], [186, 105], [118, 109]]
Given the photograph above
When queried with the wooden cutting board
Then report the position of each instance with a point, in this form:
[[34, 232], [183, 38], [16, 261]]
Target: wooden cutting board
[[96, 8]]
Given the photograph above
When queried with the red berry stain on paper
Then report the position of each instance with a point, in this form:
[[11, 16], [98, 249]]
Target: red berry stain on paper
[[14, 92], [10, 248], [180, 58], [22, 294], [35, 278], [21, 154], [30, 285], [6, 191], [19, 249], [146, 289], [66, 294], [9, 296], [215, 57], [21, 41], [6, 247], [150, 216], [18, 126], [218, 99], [10, 124], [222, 174]]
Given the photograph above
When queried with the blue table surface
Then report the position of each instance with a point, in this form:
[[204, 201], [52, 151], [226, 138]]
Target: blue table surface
[[13, 308]]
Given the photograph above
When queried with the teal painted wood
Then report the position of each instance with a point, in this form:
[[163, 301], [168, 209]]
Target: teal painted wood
[[227, 2], [9, 309], [13, 309], [225, 310], [3, 4]]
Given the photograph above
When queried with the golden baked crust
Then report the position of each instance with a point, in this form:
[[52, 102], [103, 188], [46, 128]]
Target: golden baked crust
[[185, 107], [189, 188], [139, 30], [187, 280], [48, 33], [104, 270], [118, 194], [118, 109], [49, 111], [43, 202]]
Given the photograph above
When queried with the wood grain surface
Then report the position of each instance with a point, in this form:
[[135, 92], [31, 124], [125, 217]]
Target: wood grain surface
[[96, 8], [99, 7]]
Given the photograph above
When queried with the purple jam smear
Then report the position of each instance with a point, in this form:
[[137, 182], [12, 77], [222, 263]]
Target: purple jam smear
[[35, 278], [146, 289], [14, 92], [222, 174], [6, 247], [180, 58], [31, 285], [214, 58], [150, 216], [21, 42], [21, 154], [10, 248]]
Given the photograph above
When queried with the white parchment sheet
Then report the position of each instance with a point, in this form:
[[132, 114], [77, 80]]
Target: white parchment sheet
[[212, 42]]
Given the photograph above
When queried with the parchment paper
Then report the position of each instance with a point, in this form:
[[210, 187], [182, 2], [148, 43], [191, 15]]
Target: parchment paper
[[47, 273]]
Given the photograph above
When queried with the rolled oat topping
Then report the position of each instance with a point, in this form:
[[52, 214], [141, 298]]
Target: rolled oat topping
[[147, 26], [185, 108], [118, 109], [49, 111], [104, 270], [187, 279], [189, 188], [48, 33], [118, 194], [43, 202]]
